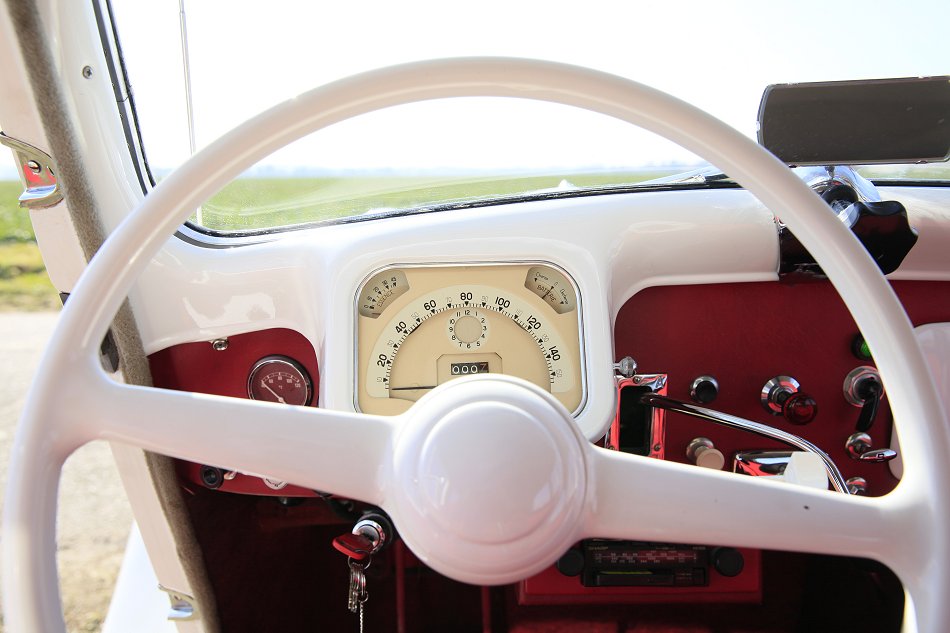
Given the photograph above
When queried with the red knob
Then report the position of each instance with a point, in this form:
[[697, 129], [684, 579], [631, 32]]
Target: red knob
[[799, 408]]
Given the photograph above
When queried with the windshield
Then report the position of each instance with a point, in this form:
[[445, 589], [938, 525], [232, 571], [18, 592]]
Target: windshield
[[242, 59]]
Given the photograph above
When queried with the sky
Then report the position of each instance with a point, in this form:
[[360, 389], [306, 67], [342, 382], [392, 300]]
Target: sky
[[246, 57]]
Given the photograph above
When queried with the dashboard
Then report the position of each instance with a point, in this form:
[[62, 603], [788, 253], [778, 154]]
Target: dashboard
[[391, 323], [357, 327]]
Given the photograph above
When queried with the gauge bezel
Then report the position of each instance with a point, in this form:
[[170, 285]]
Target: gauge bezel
[[285, 360], [581, 341]]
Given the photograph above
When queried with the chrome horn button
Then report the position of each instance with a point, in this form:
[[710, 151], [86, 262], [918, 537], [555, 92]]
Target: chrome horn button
[[480, 509]]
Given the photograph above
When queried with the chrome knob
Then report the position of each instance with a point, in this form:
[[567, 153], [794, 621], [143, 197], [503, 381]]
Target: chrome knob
[[858, 444], [702, 452], [859, 448], [857, 486]]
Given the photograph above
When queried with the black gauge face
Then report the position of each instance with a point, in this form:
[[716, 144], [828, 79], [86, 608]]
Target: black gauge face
[[280, 379]]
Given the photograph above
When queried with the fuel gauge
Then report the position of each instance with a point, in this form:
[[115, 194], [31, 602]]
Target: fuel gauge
[[553, 287], [280, 379], [380, 291]]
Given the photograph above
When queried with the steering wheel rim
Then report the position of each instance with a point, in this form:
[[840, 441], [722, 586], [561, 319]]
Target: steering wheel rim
[[46, 435]]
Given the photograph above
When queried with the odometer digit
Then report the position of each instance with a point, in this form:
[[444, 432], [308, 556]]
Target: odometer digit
[[467, 369]]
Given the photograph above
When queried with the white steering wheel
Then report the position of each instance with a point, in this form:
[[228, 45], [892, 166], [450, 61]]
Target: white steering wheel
[[474, 508]]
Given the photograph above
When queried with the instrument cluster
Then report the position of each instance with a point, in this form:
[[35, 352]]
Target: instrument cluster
[[421, 326]]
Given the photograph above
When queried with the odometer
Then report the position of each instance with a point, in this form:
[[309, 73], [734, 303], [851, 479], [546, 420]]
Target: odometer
[[467, 369]]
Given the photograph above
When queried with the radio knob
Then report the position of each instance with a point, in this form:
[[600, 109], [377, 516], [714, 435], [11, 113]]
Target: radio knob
[[728, 561], [702, 452], [571, 563]]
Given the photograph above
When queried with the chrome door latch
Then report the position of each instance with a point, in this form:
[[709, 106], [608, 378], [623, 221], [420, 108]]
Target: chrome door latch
[[41, 189], [183, 606]]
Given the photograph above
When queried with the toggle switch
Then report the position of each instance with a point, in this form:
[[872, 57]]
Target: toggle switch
[[863, 388]]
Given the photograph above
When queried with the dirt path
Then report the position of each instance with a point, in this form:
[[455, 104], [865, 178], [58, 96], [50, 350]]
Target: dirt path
[[94, 517]]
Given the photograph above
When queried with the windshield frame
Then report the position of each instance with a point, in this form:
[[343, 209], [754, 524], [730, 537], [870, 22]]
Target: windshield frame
[[197, 234]]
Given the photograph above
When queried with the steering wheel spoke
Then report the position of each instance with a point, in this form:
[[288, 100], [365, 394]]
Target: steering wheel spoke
[[648, 499], [323, 450]]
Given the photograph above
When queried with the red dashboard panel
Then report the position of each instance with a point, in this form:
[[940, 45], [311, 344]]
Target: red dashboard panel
[[201, 368], [743, 335]]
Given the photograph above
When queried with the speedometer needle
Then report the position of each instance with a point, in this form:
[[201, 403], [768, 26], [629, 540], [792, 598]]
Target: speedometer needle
[[279, 399]]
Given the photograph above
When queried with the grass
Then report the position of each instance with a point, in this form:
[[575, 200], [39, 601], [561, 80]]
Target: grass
[[256, 203], [15, 223], [24, 284]]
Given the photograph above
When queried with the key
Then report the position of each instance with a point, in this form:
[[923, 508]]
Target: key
[[356, 546], [357, 595]]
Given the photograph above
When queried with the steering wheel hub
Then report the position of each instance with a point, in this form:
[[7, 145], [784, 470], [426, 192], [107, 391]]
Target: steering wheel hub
[[490, 479]]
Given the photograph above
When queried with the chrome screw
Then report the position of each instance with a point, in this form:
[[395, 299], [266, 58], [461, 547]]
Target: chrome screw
[[87, 71]]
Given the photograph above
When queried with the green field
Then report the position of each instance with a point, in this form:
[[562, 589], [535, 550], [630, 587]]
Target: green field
[[24, 284], [256, 203]]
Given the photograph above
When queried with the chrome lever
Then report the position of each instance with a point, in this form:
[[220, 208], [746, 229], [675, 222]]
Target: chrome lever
[[878, 455], [663, 402]]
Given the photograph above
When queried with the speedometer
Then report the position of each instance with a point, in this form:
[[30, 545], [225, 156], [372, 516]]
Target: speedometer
[[453, 321]]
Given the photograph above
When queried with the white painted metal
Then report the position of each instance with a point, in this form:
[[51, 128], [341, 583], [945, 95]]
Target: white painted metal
[[929, 213], [905, 529], [155, 532], [934, 339], [137, 602]]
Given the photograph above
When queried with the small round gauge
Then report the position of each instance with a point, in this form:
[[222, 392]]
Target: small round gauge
[[468, 328], [280, 379]]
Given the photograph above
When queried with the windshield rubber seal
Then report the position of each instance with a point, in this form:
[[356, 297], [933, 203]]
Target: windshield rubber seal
[[467, 204]]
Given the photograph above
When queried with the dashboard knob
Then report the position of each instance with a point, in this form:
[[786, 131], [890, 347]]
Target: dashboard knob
[[702, 452], [704, 389], [799, 408], [781, 396], [571, 563], [858, 444], [728, 561]]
